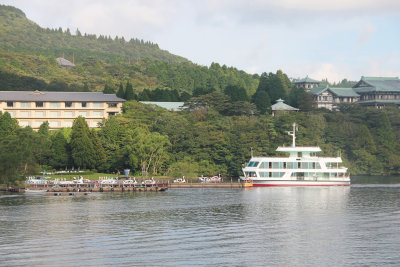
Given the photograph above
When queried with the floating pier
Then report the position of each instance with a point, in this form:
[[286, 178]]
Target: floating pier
[[120, 187]]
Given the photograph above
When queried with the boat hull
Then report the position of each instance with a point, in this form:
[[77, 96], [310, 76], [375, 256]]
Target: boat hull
[[265, 183]]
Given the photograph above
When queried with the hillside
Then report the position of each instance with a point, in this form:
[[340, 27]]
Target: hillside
[[28, 53]]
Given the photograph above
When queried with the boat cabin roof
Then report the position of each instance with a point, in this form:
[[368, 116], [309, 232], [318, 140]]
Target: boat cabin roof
[[298, 149]]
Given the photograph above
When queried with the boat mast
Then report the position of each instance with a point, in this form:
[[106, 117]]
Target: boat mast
[[293, 134]]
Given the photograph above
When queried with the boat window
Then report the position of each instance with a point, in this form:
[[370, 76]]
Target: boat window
[[271, 174], [275, 165], [291, 165], [299, 154], [253, 164], [304, 165], [264, 165], [251, 174]]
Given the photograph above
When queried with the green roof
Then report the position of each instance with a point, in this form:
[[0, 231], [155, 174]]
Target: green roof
[[307, 80], [282, 106], [341, 92], [377, 84]]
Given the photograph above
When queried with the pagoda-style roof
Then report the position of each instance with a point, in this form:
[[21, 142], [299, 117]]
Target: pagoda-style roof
[[282, 106], [377, 84], [338, 91], [307, 80]]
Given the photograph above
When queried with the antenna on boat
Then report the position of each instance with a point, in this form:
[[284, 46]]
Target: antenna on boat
[[293, 134]]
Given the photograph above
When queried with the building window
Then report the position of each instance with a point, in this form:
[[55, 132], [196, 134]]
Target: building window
[[39, 114], [10, 104], [67, 123], [83, 114], [112, 105], [54, 105], [25, 104], [24, 114], [112, 113], [97, 114], [68, 114], [98, 105], [54, 114], [54, 124], [38, 123], [23, 123], [39, 104], [83, 104], [68, 104]]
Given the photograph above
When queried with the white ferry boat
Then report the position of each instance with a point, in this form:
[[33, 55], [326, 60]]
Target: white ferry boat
[[301, 168]]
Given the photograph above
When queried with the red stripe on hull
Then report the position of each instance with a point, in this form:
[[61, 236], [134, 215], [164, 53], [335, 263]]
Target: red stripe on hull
[[281, 185]]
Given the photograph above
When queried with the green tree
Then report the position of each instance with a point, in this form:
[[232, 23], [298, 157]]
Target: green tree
[[108, 89], [262, 101], [100, 154], [18, 156], [121, 91], [129, 93], [8, 125], [43, 153], [236, 93], [82, 150], [59, 151]]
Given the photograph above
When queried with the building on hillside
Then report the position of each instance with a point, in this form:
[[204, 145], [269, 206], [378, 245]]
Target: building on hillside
[[65, 63], [306, 83], [32, 108], [378, 91], [329, 97], [279, 106]]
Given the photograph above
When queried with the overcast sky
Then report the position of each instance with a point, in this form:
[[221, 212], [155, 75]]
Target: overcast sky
[[332, 39]]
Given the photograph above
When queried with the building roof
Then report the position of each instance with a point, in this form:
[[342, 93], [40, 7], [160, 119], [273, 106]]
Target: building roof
[[58, 96], [307, 80], [380, 101], [174, 106], [341, 92], [64, 62], [282, 106], [377, 84]]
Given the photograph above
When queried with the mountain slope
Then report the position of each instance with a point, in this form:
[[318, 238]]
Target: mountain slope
[[19, 33], [28, 53]]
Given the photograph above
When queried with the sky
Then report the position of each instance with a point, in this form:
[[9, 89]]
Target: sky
[[320, 38]]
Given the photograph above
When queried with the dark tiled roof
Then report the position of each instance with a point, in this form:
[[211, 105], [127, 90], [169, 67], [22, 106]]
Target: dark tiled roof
[[58, 96]]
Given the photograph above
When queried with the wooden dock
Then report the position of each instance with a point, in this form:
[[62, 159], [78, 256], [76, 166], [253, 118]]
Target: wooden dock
[[120, 187]]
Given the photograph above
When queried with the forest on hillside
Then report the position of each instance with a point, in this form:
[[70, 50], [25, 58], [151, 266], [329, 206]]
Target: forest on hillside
[[201, 140]]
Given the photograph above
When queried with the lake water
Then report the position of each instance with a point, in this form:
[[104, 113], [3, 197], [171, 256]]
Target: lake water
[[319, 226]]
